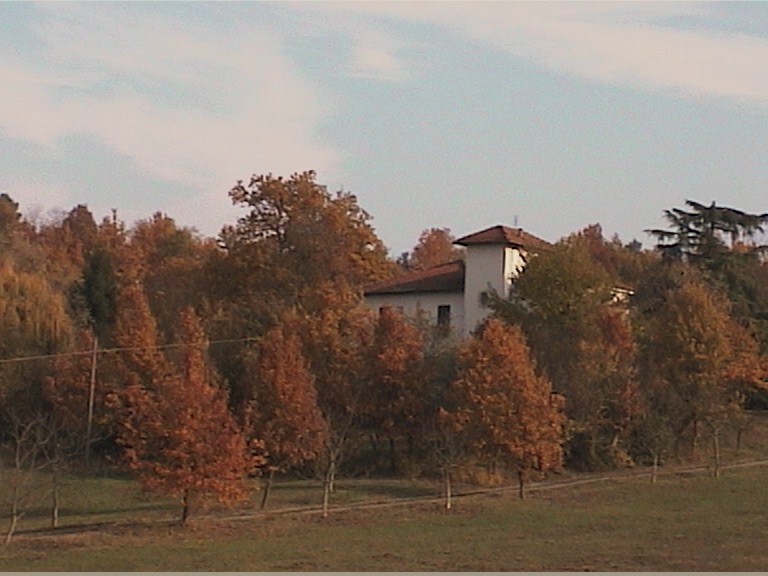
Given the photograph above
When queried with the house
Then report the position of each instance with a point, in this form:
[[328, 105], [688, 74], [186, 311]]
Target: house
[[451, 295]]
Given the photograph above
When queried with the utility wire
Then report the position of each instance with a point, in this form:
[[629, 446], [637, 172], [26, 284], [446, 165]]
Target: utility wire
[[121, 349]]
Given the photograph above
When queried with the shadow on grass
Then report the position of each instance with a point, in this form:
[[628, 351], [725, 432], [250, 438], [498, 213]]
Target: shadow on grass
[[64, 512], [373, 488]]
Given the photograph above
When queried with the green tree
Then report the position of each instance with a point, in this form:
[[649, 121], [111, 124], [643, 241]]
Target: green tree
[[705, 232], [582, 339]]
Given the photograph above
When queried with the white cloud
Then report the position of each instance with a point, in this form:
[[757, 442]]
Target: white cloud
[[375, 57], [222, 104], [621, 43]]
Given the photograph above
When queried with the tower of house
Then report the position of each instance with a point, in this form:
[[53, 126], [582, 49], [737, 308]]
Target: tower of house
[[494, 257], [450, 295]]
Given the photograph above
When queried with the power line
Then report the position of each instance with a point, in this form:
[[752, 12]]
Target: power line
[[121, 349]]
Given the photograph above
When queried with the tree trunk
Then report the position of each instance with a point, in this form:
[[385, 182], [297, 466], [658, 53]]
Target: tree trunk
[[326, 492], [695, 438], [521, 485], [448, 493], [716, 446], [14, 520], [267, 487], [185, 506], [332, 477], [55, 504], [328, 482], [655, 469]]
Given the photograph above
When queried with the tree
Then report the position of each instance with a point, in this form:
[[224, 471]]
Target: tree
[[179, 434], [336, 341], [33, 317], [721, 241], [135, 333], [583, 340], [31, 448], [510, 412], [296, 244], [172, 263], [10, 219], [396, 408], [698, 363], [435, 246], [284, 414], [304, 234], [704, 232]]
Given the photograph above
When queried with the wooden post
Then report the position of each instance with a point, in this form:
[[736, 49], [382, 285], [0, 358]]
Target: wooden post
[[91, 396]]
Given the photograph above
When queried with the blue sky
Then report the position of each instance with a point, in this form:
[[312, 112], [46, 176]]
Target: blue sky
[[551, 116]]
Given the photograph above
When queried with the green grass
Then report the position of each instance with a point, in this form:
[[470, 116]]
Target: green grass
[[690, 523], [685, 522]]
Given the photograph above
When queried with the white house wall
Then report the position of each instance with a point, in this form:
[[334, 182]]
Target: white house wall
[[485, 268], [514, 263], [426, 303]]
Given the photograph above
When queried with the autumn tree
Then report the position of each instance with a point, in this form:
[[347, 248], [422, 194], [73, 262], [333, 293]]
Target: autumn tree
[[67, 241], [722, 242], [298, 235], [698, 363], [296, 242], [396, 409], [435, 246], [179, 435], [583, 340], [512, 416], [284, 414], [336, 341], [172, 262]]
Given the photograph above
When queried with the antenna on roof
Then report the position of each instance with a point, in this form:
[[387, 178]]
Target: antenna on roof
[[515, 221]]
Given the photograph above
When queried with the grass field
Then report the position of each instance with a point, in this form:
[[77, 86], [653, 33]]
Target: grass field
[[615, 522], [685, 522]]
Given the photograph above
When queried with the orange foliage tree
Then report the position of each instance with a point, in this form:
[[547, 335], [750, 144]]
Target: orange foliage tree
[[434, 247], [698, 363], [396, 407], [336, 342], [284, 413], [508, 412], [180, 436]]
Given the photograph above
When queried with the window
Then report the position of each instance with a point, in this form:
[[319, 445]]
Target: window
[[398, 309], [444, 317]]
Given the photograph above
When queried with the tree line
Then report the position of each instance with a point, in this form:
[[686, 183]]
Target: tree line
[[199, 362]]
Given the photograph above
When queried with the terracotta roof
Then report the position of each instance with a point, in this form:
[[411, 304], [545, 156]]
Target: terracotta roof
[[442, 278], [504, 235]]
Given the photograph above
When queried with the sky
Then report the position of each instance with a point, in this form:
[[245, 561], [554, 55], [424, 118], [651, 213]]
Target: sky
[[544, 115]]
